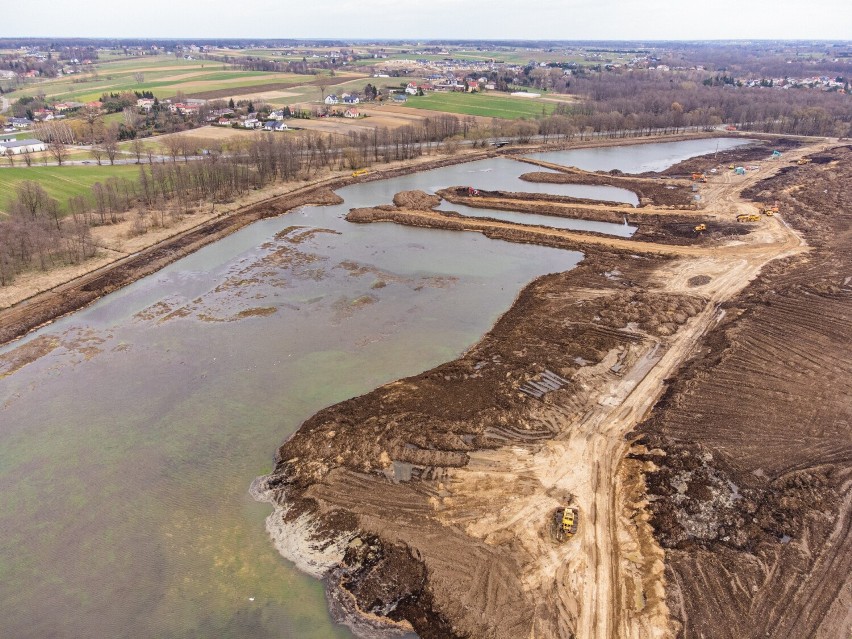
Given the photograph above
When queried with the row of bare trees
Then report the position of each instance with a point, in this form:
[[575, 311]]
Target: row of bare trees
[[36, 235]]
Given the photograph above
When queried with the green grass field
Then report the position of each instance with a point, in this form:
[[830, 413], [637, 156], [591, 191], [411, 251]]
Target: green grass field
[[61, 182], [482, 104]]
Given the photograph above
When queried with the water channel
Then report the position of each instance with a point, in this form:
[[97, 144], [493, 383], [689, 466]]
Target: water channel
[[128, 442]]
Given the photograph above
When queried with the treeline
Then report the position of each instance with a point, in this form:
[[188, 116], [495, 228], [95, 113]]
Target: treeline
[[651, 100], [36, 235]]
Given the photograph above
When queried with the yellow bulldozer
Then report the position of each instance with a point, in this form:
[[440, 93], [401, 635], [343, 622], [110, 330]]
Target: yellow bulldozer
[[748, 217], [565, 521], [700, 227]]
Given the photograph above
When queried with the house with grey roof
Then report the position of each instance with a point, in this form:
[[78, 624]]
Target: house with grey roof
[[21, 146]]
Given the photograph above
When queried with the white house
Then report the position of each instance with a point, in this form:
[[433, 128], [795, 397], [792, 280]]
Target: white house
[[331, 99], [351, 113], [275, 125], [18, 147]]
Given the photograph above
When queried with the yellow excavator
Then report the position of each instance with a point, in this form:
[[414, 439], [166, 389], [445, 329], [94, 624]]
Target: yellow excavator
[[566, 519], [748, 217], [359, 172], [700, 227], [803, 161]]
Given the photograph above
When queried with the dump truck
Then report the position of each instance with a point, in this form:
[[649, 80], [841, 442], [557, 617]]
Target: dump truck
[[748, 217], [565, 520], [700, 227]]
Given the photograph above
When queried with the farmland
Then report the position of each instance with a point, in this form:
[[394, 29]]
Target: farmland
[[164, 76], [61, 182], [485, 105]]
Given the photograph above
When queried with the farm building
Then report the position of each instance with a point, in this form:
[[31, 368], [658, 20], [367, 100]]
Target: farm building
[[22, 146]]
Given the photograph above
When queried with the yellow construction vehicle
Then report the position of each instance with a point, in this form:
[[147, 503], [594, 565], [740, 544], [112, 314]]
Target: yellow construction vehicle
[[768, 212], [700, 227], [748, 217], [699, 177], [802, 161], [566, 520], [359, 172]]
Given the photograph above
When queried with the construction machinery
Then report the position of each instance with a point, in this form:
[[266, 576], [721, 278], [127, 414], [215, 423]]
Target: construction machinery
[[359, 172], [699, 177], [803, 161], [700, 227], [565, 521], [769, 211], [748, 217], [472, 192]]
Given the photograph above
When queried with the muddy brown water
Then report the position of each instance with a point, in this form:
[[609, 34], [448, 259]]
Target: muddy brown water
[[128, 442]]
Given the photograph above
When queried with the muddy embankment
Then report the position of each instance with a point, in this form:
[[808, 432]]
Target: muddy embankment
[[751, 497], [489, 227], [650, 191], [672, 226]]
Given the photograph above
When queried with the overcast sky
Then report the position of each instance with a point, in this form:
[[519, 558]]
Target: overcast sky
[[435, 19]]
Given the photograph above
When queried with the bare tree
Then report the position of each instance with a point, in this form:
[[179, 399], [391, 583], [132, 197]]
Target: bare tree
[[58, 150], [139, 77], [11, 155], [110, 143], [138, 149], [28, 160], [322, 84], [94, 124]]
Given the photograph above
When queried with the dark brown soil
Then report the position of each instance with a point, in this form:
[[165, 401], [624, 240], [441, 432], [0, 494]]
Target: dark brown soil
[[651, 192], [751, 153], [668, 228], [751, 497], [417, 200]]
